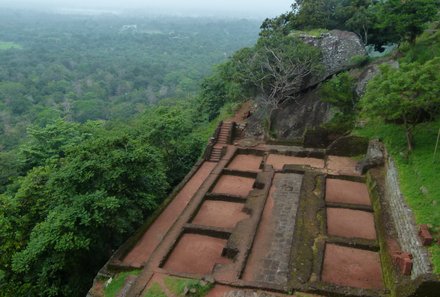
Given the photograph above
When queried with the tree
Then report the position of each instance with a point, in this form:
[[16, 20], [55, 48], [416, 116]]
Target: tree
[[9, 168], [404, 20], [49, 142], [170, 126], [361, 22], [405, 95], [277, 68], [65, 218], [309, 14], [340, 92]]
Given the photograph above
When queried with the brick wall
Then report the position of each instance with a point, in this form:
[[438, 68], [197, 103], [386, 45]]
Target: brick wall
[[404, 223]]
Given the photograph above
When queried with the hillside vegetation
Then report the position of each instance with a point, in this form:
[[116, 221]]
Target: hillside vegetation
[[86, 156], [419, 168], [98, 122], [103, 67], [401, 105]]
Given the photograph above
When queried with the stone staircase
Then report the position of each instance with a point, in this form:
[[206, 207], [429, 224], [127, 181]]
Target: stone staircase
[[222, 140]]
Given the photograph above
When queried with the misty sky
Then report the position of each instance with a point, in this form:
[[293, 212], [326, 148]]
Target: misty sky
[[241, 8]]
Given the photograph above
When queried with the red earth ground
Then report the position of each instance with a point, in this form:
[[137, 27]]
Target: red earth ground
[[162, 224], [278, 161], [342, 165], [234, 185], [246, 163], [352, 267], [196, 254], [262, 239], [219, 291], [350, 223], [220, 214], [343, 191]]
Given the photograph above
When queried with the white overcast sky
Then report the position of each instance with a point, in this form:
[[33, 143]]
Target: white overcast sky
[[243, 8]]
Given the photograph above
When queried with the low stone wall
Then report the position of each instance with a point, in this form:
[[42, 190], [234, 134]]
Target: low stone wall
[[404, 223]]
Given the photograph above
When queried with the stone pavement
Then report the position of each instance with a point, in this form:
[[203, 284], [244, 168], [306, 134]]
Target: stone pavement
[[286, 193]]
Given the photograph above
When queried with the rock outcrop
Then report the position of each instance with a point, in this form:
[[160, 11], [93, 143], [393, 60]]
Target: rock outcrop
[[374, 158], [295, 117], [368, 74], [338, 49]]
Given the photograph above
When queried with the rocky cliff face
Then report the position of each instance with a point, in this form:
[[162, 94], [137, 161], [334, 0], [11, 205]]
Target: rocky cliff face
[[338, 49], [294, 118]]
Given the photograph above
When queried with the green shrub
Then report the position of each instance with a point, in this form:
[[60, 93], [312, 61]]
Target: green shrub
[[359, 60], [118, 282], [155, 291], [195, 288]]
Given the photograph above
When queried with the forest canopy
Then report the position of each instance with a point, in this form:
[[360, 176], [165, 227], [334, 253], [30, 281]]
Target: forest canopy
[[99, 120]]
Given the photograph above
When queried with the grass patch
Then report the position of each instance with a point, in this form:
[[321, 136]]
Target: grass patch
[[155, 291], [117, 283], [5, 45], [418, 171], [178, 285], [313, 32]]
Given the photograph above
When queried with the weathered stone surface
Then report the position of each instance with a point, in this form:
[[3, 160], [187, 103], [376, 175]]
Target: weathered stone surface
[[295, 117], [248, 293], [275, 268], [127, 285], [368, 74], [338, 49], [404, 223], [348, 146], [374, 157], [307, 111]]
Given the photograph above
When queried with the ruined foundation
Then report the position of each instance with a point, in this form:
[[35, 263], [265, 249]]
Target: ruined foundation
[[270, 218]]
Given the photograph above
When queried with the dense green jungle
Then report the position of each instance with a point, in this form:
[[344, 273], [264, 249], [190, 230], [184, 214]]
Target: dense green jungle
[[101, 116]]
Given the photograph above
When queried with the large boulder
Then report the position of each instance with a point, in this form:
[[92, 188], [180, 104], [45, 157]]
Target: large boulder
[[375, 157], [296, 116], [338, 49], [307, 112]]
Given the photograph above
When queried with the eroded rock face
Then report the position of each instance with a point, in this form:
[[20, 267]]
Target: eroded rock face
[[308, 112], [338, 49], [368, 74], [295, 117], [374, 158]]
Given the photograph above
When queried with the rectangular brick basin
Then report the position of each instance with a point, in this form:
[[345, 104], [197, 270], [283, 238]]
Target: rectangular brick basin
[[342, 165], [246, 162], [351, 267], [233, 185], [350, 223], [196, 254], [344, 191], [220, 214], [155, 233], [278, 161]]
